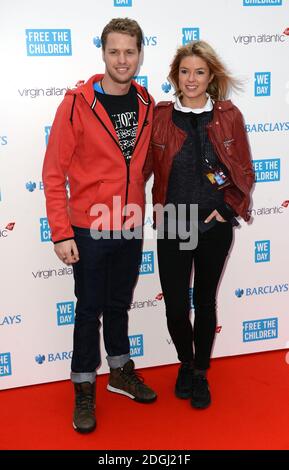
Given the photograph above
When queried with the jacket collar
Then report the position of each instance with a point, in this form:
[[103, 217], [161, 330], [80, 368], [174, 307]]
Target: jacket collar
[[87, 90]]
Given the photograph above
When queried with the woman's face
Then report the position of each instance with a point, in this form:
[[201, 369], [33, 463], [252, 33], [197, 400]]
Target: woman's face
[[194, 78]]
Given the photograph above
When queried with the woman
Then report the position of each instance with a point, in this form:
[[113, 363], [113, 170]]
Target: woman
[[199, 155]]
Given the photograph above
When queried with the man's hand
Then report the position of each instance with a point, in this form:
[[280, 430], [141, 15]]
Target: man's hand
[[67, 251], [215, 215]]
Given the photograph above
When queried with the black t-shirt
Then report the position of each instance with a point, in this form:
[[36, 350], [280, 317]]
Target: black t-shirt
[[123, 112]]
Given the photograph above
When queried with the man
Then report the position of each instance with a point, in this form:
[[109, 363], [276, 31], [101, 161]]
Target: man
[[98, 143]]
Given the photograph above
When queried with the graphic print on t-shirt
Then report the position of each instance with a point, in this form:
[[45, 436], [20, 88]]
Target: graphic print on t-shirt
[[125, 125], [123, 113]]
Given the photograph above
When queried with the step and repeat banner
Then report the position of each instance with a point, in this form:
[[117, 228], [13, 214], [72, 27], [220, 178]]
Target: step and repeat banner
[[46, 47]]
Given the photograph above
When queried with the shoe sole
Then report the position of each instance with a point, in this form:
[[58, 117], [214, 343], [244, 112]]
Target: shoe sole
[[199, 406], [126, 394], [183, 395], [83, 431]]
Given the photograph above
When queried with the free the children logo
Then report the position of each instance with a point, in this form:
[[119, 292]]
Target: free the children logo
[[260, 330], [48, 42]]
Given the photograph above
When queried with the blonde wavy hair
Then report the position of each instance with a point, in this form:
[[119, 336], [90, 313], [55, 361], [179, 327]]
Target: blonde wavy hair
[[222, 83]]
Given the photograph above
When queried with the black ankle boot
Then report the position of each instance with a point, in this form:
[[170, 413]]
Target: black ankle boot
[[183, 388], [201, 396], [84, 412]]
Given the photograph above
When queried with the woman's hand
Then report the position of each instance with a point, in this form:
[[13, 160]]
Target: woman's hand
[[215, 215]]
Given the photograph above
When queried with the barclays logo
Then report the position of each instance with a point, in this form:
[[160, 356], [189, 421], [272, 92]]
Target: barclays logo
[[147, 41], [150, 41], [48, 42], [262, 290], [31, 186], [166, 87], [40, 359], [239, 293], [190, 34], [97, 42], [10, 320], [281, 126], [53, 357]]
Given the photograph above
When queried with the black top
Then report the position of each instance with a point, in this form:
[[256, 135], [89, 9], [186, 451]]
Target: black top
[[123, 112], [188, 183]]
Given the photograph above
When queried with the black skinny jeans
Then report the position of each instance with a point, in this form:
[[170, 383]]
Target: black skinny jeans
[[175, 266]]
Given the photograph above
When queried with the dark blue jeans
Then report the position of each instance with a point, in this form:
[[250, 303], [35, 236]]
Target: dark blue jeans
[[105, 276]]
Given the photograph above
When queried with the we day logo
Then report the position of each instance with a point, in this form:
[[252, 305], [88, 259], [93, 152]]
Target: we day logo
[[262, 83], [136, 345], [65, 313], [262, 251]]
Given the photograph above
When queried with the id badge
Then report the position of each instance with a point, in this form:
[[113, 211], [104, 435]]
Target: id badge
[[216, 176]]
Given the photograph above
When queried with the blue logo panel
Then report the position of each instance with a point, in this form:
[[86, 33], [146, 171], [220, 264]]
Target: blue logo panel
[[123, 3], [136, 345], [48, 42], [5, 364], [267, 170], [262, 251], [262, 3], [147, 264], [65, 313], [190, 34], [45, 234], [142, 80], [47, 134], [262, 83], [260, 330]]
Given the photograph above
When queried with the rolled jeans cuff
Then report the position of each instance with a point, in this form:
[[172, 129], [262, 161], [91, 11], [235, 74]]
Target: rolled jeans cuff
[[79, 377], [115, 362]]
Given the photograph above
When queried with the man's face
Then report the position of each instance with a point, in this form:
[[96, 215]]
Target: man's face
[[121, 57]]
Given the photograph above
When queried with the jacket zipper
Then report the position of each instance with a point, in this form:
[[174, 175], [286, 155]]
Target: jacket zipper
[[127, 162]]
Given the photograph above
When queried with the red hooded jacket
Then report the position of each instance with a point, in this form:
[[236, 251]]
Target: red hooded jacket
[[83, 148]]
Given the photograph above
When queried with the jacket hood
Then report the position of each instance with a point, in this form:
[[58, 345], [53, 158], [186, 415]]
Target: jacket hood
[[86, 89]]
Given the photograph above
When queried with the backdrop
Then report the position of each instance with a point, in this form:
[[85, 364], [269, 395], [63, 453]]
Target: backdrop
[[46, 47]]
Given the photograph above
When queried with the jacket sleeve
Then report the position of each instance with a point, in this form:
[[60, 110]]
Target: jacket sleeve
[[243, 150], [148, 166], [57, 160]]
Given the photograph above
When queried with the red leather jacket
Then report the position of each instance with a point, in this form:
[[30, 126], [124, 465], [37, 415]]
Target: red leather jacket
[[226, 132]]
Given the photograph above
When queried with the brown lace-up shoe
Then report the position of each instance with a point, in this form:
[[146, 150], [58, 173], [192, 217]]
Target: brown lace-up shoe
[[126, 381], [84, 412]]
